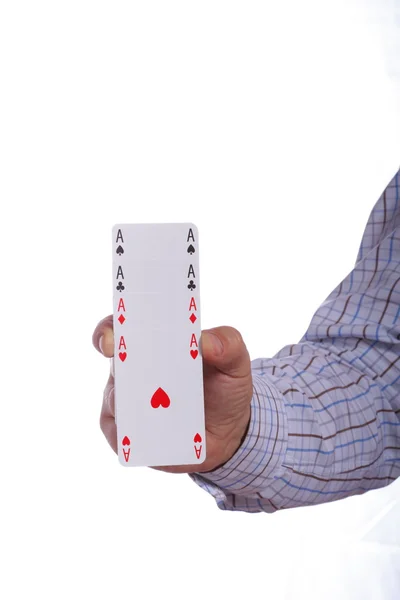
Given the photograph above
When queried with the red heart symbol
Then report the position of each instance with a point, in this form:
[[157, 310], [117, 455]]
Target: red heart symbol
[[194, 353], [160, 398], [126, 441], [197, 438], [122, 356]]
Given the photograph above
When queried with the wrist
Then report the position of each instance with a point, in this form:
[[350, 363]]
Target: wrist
[[234, 442], [259, 457]]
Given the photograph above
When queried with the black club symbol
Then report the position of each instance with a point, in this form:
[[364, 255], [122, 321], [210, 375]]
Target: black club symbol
[[191, 285], [120, 287]]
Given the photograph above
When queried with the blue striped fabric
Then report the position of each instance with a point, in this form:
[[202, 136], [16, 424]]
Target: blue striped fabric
[[325, 418]]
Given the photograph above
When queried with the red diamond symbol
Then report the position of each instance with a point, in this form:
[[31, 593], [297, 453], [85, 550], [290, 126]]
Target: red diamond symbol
[[121, 319], [193, 318]]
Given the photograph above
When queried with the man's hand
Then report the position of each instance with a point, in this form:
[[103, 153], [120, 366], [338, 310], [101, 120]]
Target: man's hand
[[228, 390]]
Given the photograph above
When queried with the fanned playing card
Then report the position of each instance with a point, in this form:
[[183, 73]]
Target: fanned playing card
[[159, 397]]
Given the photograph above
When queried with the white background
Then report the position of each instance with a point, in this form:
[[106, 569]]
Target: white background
[[274, 126]]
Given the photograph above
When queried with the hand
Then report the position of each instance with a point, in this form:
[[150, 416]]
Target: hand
[[228, 390]]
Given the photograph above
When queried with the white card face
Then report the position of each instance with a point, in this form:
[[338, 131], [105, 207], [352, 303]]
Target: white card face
[[159, 396], [137, 311], [145, 276]]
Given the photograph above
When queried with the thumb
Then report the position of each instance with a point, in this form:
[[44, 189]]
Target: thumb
[[224, 348]]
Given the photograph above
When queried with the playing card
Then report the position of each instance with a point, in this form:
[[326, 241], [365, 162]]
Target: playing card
[[137, 311], [145, 276], [159, 393]]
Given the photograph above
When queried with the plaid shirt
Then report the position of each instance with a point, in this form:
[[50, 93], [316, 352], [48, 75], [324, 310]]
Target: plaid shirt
[[325, 412]]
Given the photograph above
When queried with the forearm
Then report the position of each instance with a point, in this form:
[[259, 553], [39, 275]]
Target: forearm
[[325, 418], [320, 430]]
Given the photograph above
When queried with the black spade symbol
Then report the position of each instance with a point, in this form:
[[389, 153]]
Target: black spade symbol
[[191, 249], [120, 250]]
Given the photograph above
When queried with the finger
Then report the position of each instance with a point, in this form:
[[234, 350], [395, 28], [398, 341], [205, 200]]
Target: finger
[[103, 337], [107, 415], [224, 348]]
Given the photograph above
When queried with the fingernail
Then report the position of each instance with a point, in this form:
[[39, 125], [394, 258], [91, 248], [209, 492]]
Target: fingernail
[[212, 340], [106, 343], [111, 401]]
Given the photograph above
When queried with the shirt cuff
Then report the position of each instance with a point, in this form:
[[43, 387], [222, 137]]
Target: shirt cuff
[[258, 461]]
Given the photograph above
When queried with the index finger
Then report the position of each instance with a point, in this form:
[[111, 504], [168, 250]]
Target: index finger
[[103, 337]]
